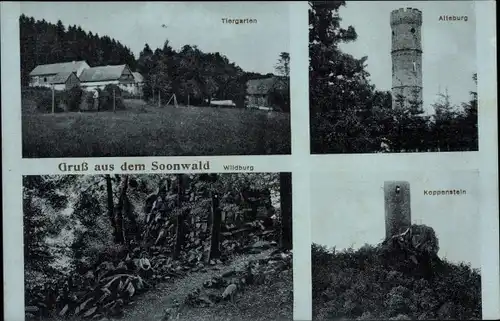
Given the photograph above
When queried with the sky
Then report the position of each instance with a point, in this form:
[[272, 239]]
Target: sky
[[348, 210], [449, 47], [254, 47]]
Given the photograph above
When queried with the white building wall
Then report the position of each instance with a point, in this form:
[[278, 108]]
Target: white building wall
[[89, 86], [59, 87]]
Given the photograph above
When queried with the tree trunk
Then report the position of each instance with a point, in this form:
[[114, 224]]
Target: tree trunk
[[179, 239], [286, 210], [120, 230], [133, 229], [111, 213], [216, 226]]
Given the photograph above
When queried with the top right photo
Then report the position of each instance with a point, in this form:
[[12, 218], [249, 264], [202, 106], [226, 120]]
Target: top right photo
[[392, 76]]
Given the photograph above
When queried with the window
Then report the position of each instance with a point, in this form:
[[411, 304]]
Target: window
[[412, 30], [414, 66], [393, 33], [44, 79]]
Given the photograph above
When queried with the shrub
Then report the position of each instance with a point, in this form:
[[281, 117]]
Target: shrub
[[106, 98], [379, 283], [44, 102], [73, 98]]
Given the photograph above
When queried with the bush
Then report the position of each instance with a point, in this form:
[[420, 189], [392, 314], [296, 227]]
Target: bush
[[379, 283], [73, 98], [43, 99], [106, 98]]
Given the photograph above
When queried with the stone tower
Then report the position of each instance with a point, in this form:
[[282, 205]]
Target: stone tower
[[406, 55], [397, 207]]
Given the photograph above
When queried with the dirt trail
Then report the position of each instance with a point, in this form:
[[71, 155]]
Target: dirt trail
[[151, 305]]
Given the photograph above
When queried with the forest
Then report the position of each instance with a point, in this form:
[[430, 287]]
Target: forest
[[360, 118], [194, 76], [95, 244]]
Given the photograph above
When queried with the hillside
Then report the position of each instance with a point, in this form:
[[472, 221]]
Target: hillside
[[392, 282]]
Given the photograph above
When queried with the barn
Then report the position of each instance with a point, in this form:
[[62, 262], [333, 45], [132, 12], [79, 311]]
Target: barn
[[259, 91], [45, 75], [99, 77], [65, 81]]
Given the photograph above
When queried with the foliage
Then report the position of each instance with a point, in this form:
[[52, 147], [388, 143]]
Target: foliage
[[111, 97], [74, 262], [383, 282], [73, 98], [283, 65], [360, 119], [42, 98]]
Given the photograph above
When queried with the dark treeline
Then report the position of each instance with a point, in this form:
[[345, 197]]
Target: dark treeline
[[195, 77], [43, 42], [349, 115]]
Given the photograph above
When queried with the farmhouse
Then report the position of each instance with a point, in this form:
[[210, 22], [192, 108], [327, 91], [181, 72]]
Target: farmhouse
[[259, 91], [45, 75], [99, 77], [65, 81]]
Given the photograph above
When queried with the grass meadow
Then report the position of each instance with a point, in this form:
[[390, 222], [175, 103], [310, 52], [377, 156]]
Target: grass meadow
[[145, 130]]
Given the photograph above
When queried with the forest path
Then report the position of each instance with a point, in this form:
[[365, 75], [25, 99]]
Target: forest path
[[151, 305]]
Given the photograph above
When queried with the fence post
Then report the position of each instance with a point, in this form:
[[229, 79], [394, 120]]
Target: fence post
[[53, 100], [159, 99], [397, 207], [188, 100], [114, 100]]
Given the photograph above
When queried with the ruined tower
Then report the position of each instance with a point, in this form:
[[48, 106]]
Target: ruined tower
[[406, 55], [397, 207]]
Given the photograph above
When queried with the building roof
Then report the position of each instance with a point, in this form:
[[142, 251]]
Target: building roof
[[61, 77], [138, 77], [102, 73], [53, 69], [261, 86]]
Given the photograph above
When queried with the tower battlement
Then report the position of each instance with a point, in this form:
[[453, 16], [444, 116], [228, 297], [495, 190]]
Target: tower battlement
[[406, 16]]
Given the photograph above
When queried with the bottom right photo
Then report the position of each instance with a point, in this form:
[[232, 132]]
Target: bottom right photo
[[395, 246]]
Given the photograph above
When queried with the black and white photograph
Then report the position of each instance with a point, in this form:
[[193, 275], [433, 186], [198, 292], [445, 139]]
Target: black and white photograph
[[158, 247], [392, 76], [396, 246], [120, 79]]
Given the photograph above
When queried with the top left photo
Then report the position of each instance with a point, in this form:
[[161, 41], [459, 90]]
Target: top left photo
[[116, 79]]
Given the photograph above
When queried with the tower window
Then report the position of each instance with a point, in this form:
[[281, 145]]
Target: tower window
[[414, 66], [412, 30], [393, 33]]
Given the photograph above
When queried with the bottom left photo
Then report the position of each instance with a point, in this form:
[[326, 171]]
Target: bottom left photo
[[158, 247]]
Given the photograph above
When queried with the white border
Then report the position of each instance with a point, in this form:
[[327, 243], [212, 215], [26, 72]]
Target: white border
[[300, 163], [299, 76], [13, 254], [488, 156]]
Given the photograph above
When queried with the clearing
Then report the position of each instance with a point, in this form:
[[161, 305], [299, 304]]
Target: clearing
[[145, 130]]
